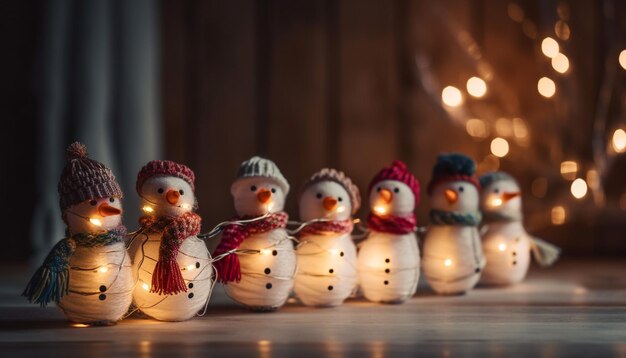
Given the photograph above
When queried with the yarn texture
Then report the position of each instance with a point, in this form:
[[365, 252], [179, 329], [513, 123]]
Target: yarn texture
[[392, 224]]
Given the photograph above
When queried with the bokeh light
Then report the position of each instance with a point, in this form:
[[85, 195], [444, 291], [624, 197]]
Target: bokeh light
[[549, 47], [476, 87], [546, 87], [451, 96], [499, 147]]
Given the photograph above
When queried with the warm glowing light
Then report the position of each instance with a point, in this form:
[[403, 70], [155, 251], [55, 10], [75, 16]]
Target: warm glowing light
[[539, 187], [145, 286], [579, 188], [95, 221], [558, 215], [185, 206], [340, 209], [379, 209], [476, 128], [560, 63], [496, 202], [520, 130], [147, 209], [80, 325], [502, 247], [546, 87], [499, 147], [476, 87], [103, 269], [562, 30], [270, 206], [265, 251], [619, 141], [550, 47], [593, 179], [622, 59], [190, 267], [447, 262], [569, 169], [504, 127], [334, 251], [451, 96]]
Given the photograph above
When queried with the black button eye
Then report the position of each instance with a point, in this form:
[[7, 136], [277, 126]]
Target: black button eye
[[93, 203], [319, 195], [461, 189], [160, 191], [396, 190], [339, 198], [253, 188], [379, 189], [496, 190], [273, 190], [112, 200], [182, 192]]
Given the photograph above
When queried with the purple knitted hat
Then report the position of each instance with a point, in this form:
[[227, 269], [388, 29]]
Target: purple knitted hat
[[341, 179], [85, 179]]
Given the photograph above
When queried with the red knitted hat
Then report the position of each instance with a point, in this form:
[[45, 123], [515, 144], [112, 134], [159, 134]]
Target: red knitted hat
[[85, 179], [165, 167], [398, 171]]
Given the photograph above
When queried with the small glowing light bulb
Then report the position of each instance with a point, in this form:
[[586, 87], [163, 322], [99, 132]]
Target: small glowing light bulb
[[264, 251], [499, 147], [546, 87], [95, 221], [185, 206], [103, 269], [334, 251], [145, 286], [80, 325], [496, 202], [340, 209], [451, 96], [549, 47], [579, 188], [560, 63], [380, 209], [147, 209], [190, 267], [619, 141], [447, 263], [502, 247], [476, 87], [270, 206]]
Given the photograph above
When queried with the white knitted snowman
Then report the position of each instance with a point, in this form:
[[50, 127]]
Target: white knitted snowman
[[453, 257], [257, 260], [327, 273], [389, 258], [506, 244], [88, 274], [172, 264]]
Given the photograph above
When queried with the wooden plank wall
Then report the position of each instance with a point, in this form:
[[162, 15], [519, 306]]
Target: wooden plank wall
[[324, 83]]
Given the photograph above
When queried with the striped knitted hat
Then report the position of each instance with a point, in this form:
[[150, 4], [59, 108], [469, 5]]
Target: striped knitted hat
[[329, 174], [453, 167], [85, 179], [398, 171], [261, 167], [168, 168]]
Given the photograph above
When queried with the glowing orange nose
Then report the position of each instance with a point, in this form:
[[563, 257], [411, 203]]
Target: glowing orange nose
[[508, 196], [172, 197], [330, 203], [451, 196], [263, 196], [386, 195], [107, 210]]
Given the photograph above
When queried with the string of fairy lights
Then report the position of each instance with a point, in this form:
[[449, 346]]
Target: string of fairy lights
[[580, 178]]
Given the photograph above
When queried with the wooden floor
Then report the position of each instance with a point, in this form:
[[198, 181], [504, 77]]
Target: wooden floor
[[577, 308]]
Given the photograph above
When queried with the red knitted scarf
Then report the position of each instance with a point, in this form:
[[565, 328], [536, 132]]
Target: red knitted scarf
[[392, 224], [167, 277], [326, 227], [228, 268]]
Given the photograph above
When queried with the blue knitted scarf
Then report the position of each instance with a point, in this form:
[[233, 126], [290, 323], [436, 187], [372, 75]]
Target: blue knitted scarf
[[51, 281], [441, 217]]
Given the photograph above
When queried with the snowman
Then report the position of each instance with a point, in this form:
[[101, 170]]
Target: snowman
[[255, 258], [88, 274], [506, 244], [172, 265], [327, 273], [453, 257], [389, 258]]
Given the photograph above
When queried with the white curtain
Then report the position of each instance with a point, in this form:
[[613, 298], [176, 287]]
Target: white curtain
[[99, 85]]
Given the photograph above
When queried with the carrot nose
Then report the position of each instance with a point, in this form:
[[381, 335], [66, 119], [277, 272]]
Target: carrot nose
[[172, 197], [386, 195], [263, 196], [330, 203], [451, 196], [508, 196], [107, 210]]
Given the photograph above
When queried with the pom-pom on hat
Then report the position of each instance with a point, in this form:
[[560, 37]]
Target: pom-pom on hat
[[167, 168], [261, 167], [329, 174], [492, 177], [85, 179], [453, 167], [398, 171]]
